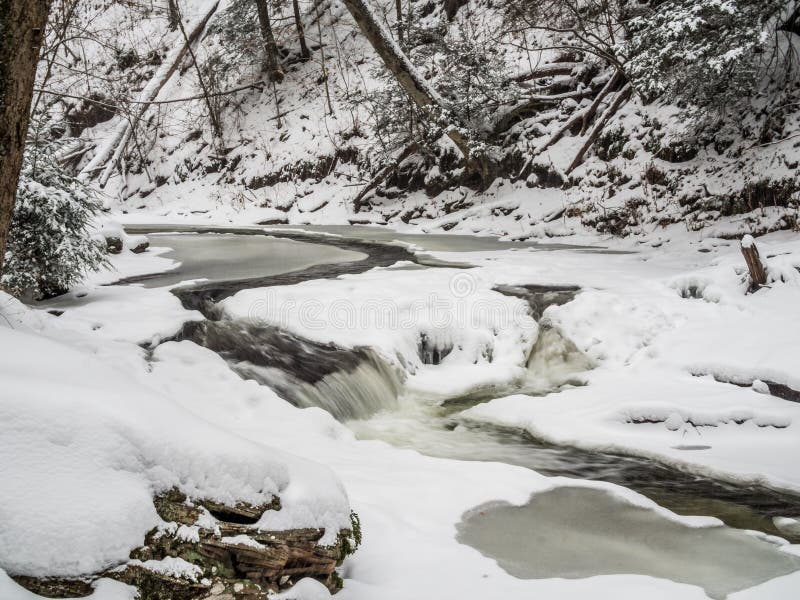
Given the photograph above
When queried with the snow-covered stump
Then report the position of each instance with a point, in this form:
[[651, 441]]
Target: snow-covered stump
[[758, 274]]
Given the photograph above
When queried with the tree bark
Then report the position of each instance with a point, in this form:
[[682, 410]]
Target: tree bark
[[758, 274], [298, 21], [398, 6], [173, 14], [621, 97], [271, 63], [22, 24], [451, 7]]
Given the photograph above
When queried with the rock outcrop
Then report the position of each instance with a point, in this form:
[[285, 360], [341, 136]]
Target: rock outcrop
[[205, 549]]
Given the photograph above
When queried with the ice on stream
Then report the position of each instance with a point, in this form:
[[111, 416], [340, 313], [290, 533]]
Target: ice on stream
[[227, 256], [575, 532]]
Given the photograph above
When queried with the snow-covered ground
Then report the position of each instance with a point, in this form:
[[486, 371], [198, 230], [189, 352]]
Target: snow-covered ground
[[87, 445]]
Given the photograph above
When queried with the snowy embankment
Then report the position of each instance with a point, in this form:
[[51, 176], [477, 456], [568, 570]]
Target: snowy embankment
[[87, 442], [181, 417], [670, 331]]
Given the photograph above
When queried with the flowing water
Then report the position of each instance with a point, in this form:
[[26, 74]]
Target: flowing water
[[565, 533]]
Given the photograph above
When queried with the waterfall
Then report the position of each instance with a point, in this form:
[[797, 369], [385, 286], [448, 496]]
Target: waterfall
[[348, 383], [357, 393]]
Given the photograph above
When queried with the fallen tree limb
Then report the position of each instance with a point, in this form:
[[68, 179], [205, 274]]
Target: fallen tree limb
[[618, 101], [548, 70], [112, 149], [412, 148], [583, 115], [609, 87], [505, 120], [116, 107]]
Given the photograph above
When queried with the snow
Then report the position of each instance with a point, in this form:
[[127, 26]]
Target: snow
[[180, 416], [241, 540], [85, 448], [305, 589], [103, 309], [658, 350], [104, 589], [667, 337], [171, 566], [488, 335]]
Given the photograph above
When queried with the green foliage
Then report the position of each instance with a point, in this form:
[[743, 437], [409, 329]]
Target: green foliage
[[49, 246], [352, 544], [707, 53], [462, 64], [469, 73]]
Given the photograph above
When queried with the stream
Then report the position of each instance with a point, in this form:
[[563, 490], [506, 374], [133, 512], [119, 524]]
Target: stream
[[359, 388]]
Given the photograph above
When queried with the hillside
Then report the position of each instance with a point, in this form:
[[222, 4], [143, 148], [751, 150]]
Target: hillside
[[303, 149]]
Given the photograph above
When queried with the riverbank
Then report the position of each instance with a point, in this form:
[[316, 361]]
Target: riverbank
[[410, 504]]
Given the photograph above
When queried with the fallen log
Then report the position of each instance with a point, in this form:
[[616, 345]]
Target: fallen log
[[110, 152], [548, 70], [619, 99]]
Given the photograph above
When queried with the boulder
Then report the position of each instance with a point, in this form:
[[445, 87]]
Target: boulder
[[113, 244], [212, 550]]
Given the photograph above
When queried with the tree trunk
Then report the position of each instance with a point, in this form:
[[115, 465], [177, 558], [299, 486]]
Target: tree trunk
[[271, 63], [404, 72], [398, 5], [621, 97], [451, 7], [298, 21], [22, 24], [173, 14]]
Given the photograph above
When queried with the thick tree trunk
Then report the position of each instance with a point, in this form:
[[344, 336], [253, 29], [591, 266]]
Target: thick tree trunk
[[271, 63], [22, 24], [398, 5], [298, 21], [173, 14]]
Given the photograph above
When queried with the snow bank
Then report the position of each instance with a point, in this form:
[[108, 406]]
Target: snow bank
[[104, 589], [446, 327], [84, 446], [666, 330]]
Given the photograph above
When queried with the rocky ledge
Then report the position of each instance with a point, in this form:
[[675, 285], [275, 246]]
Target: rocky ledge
[[205, 549]]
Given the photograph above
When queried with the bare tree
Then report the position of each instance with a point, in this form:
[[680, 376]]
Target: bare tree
[[271, 61], [22, 24], [298, 22], [173, 14], [418, 89]]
